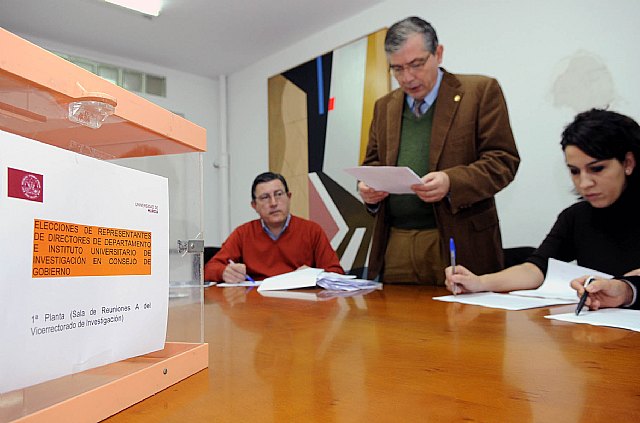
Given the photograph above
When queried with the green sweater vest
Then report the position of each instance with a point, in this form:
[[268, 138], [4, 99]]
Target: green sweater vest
[[407, 211]]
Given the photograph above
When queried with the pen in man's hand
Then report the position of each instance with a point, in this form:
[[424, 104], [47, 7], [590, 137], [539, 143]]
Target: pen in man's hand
[[452, 251], [247, 277], [585, 294]]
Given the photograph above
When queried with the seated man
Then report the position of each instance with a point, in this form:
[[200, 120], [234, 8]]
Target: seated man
[[274, 244]]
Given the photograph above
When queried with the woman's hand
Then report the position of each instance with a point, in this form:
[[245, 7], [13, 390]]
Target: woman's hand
[[462, 281], [603, 293]]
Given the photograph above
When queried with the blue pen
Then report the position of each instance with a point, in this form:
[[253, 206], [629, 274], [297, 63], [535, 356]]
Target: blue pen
[[452, 251], [247, 277]]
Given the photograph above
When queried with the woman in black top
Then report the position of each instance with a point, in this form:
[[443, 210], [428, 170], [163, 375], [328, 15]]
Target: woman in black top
[[602, 231]]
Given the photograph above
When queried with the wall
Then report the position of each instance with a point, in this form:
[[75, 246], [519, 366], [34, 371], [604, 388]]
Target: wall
[[552, 58], [197, 99], [541, 52]]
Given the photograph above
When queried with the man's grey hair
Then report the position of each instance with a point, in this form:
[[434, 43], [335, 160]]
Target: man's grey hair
[[400, 31]]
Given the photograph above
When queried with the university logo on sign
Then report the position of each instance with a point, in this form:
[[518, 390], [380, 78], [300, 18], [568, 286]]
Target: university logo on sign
[[25, 185]]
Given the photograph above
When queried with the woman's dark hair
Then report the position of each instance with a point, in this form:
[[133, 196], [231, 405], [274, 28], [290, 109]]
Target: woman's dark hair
[[267, 177], [604, 135]]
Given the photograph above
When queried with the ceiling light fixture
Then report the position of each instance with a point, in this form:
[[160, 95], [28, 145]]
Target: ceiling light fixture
[[148, 7]]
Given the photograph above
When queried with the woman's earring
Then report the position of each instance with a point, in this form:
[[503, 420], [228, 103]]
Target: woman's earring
[[627, 171]]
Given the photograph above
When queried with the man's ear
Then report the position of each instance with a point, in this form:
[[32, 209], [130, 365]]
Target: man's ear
[[253, 205], [439, 53]]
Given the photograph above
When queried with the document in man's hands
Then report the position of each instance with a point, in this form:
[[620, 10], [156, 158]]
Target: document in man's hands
[[391, 179]]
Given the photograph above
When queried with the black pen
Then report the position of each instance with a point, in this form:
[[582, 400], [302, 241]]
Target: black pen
[[585, 294]]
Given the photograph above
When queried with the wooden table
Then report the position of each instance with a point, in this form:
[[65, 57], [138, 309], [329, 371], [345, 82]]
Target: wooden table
[[396, 355]]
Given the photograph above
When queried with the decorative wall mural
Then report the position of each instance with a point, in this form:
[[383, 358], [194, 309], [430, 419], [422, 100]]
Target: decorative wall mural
[[319, 117]]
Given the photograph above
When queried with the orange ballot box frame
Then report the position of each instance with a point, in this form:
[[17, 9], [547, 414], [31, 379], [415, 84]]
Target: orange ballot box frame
[[37, 87], [39, 92], [116, 386]]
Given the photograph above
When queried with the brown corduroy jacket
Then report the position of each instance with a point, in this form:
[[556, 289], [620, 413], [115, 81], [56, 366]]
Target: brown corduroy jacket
[[472, 141]]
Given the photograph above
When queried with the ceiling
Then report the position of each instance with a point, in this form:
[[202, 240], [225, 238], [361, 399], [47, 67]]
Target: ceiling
[[202, 37]]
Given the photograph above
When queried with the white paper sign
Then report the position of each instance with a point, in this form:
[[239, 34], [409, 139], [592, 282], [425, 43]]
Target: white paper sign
[[84, 258]]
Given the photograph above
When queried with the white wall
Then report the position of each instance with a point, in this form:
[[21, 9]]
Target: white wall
[[526, 46], [195, 97]]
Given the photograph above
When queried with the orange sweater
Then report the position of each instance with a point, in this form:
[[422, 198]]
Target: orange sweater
[[302, 243]]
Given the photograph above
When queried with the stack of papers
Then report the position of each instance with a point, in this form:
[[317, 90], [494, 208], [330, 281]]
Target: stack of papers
[[310, 277], [337, 282], [307, 278], [304, 278]]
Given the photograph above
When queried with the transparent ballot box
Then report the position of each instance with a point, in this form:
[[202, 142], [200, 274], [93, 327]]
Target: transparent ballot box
[[108, 188]]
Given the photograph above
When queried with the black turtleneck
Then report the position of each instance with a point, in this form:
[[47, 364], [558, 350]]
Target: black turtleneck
[[606, 239]]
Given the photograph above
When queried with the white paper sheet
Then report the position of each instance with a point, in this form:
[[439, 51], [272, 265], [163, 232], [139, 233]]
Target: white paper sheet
[[391, 179], [85, 262], [235, 285], [292, 295], [612, 317], [503, 301], [556, 283], [303, 278]]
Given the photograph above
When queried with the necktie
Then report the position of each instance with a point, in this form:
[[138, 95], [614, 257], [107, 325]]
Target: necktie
[[416, 107]]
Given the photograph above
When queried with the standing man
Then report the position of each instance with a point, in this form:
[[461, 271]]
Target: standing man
[[274, 244], [454, 130]]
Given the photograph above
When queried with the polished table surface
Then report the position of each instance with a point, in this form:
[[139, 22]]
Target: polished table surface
[[396, 355]]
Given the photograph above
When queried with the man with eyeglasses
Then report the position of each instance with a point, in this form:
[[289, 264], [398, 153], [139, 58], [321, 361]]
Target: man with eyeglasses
[[276, 243], [452, 130]]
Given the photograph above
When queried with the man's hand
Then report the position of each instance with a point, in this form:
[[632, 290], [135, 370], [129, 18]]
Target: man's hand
[[234, 273], [370, 195], [435, 186]]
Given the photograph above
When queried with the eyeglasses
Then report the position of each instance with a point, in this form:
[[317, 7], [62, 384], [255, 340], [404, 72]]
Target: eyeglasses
[[413, 66], [278, 195]]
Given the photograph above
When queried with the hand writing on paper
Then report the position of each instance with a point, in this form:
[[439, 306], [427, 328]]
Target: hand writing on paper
[[234, 273], [370, 195], [462, 281], [434, 188], [603, 293]]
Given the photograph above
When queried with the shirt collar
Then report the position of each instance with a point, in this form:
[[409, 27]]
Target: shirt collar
[[431, 97], [271, 234]]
